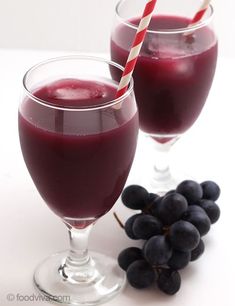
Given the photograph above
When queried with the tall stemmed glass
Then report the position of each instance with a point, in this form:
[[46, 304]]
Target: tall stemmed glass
[[78, 144], [174, 71]]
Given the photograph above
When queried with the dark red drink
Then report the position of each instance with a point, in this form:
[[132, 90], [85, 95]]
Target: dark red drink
[[173, 74], [78, 160]]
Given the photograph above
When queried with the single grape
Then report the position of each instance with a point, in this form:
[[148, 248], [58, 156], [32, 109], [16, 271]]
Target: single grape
[[129, 226], [179, 260], [140, 274], [193, 208], [128, 256], [170, 191], [157, 250], [135, 197], [155, 207], [212, 210], [172, 208], [152, 197], [200, 220], [183, 236], [146, 226], [198, 251], [211, 190], [169, 281], [191, 190]]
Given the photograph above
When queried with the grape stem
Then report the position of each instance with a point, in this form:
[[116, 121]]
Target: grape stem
[[147, 209], [118, 220], [166, 230]]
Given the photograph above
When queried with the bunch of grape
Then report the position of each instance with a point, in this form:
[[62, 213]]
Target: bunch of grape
[[172, 226]]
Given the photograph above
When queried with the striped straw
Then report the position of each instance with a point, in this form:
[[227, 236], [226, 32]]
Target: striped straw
[[200, 12], [136, 46]]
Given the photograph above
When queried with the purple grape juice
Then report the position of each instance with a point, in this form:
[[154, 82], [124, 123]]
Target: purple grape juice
[[173, 75], [78, 160]]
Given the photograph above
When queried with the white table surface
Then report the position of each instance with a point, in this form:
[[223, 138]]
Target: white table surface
[[29, 231]]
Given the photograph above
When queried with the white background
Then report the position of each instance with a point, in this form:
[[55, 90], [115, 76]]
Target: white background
[[81, 25]]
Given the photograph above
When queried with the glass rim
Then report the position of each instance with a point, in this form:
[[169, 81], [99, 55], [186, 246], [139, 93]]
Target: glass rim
[[193, 27], [107, 104]]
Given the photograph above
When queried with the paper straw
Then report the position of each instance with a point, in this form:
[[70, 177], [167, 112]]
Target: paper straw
[[136, 46], [198, 16]]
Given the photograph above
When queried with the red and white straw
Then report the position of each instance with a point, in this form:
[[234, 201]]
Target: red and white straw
[[198, 16], [136, 46]]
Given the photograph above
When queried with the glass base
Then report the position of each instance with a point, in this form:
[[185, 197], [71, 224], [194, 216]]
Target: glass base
[[163, 184], [106, 281]]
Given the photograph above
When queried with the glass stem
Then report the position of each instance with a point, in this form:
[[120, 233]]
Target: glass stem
[[162, 178], [161, 166], [78, 267]]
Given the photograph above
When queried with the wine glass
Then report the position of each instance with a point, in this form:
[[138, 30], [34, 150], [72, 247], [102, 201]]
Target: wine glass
[[173, 75], [70, 125]]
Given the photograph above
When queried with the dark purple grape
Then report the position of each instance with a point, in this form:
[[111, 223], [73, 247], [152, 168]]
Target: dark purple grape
[[155, 207], [169, 281], [140, 274], [152, 197], [129, 226], [191, 190], [172, 208], [200, 220], [193, 208], [128, 256], [198, 251], [212, 210], [135, 197], [157, 250], [170, 192], [179, 260], [183, 236], [146, 226], [211, 190]]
